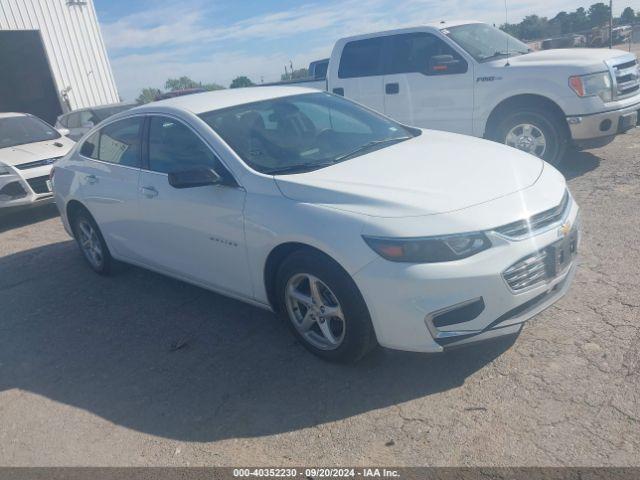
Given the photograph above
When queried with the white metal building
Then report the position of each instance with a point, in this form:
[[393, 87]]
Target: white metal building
[[52, 57]]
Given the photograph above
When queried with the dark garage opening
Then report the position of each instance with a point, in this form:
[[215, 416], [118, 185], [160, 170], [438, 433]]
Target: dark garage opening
[[26, 83]]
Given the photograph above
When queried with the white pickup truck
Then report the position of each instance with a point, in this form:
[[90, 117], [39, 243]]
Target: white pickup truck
[[471, 78]]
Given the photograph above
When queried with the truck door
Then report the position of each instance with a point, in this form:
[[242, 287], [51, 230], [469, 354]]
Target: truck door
[[427, 83], [359, 75]]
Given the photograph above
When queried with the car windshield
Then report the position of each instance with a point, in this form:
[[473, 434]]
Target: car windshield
[[303, 132], [104, 113], [21, 130], [484, 42]]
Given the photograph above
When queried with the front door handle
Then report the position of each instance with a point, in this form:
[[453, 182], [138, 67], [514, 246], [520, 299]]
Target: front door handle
[[149, 192], [392, 88], [91, 179]]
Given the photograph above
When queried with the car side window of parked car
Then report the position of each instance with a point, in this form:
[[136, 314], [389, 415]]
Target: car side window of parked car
[[415, 52], [118, 143], [361, 58], [89, 148], [175, 147], [73, 120]]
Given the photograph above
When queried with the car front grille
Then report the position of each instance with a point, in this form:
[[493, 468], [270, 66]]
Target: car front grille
[[627, 78], [527, 272], [537, 222], [39, 184], [39, 163]]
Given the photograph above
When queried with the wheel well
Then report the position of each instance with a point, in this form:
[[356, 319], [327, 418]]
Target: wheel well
[[275, 259], [521, 102], [74, 207]]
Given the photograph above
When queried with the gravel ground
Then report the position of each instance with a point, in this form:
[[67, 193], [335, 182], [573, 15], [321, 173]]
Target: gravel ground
[[140, 369]]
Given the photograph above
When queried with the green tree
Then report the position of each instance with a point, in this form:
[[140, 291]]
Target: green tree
[[560, 24], [147, 95], [173, 84], [579, 20], [240, 82], [533, 27], [212, 86], [628, 16], [598, 14], [295, 75]]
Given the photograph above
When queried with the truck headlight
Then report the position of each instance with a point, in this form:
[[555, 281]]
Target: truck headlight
[[4, 170], [597, 84], [429, 249]]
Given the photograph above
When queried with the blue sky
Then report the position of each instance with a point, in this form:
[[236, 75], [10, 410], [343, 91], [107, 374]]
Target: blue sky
[[216, 40]]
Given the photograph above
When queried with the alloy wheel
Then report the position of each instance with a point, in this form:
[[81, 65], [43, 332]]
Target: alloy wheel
[[528, 138], [90, 244], [315, 311]]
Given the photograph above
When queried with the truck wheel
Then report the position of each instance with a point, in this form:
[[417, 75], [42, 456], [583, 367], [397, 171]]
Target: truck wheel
[[535, 132], [324, 308]]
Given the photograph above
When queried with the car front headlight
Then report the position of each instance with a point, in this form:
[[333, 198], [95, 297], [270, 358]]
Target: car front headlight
[[4, 170], [429, 249], [597, 84]]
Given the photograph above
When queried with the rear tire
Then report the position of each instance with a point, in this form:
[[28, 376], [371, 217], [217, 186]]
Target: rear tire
[[333, 323], [91, 243], [534, 131]]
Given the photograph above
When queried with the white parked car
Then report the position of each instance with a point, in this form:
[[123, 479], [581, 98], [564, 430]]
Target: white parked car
[[471, 78], [359, 229], [81, 121], [28, 148]]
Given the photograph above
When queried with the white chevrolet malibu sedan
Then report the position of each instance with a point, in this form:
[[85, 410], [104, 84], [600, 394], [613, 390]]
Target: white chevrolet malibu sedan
[[28, 149], [359, 230]]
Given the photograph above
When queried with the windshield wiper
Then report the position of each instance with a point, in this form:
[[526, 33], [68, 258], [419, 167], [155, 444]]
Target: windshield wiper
[[369, 145], [298, 168]]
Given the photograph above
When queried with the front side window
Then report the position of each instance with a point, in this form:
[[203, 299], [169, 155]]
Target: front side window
[[20, 130], [174, 147], [419, 52], [361, 58], [303, 132], [484, 42]]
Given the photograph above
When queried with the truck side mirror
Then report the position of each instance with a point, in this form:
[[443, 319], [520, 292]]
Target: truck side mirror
[[446, 64]]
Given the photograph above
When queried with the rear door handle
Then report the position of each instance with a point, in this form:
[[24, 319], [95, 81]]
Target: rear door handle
[[392, 88], [149, 192], [91, 179]]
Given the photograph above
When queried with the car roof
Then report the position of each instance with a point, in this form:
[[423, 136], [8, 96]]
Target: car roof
[[442, 25], [12, 114], [207, 101]]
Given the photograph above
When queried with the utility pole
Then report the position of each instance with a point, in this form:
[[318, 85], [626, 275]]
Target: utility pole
[[610, 23]]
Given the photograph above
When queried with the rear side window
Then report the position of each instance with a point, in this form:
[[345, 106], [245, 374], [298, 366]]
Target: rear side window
[[89, 148], [175, 147], [361, 58], [117, 143], [418, 52]]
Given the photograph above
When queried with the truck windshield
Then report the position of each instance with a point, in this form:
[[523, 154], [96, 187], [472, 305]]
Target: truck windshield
[[484, 42], [21, 130], [303, 132]]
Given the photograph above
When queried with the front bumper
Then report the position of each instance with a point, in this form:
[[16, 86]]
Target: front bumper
[[24, 188], [597, 129], [403, 299]]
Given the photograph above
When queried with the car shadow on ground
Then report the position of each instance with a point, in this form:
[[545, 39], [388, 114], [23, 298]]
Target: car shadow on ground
[[576, 164], [165, 358], [22, 217]]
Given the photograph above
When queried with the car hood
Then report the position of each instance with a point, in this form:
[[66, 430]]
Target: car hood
[[573, 57], [436, 172], [32, 152]]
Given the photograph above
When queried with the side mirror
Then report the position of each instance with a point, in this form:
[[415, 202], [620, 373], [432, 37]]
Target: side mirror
[[443, 64], [198, 177], [64, 131]]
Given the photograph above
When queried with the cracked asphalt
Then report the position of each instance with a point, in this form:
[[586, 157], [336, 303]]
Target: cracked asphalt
[[140, 369]]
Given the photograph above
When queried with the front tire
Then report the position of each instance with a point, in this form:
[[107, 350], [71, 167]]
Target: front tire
[[324, 308], [534, 131], [92, 244]]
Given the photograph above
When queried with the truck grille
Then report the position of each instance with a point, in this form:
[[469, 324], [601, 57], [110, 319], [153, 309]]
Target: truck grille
[[527, 272], [39, 184], [537, 222], [627, 78]]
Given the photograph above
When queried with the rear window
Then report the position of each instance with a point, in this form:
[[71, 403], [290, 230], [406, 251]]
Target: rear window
[[104, 113], [361, 58]]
